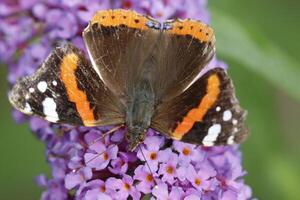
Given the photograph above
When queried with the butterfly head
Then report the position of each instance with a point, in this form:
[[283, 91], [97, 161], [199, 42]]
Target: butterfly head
[[135, 136]]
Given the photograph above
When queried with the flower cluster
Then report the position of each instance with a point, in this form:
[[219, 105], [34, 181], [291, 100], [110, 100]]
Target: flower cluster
[[88, 164], [85, 162]]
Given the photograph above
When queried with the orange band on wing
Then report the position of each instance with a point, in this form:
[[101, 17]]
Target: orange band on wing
[[197, 114], [194, 28], [68, 69], [119, 16]]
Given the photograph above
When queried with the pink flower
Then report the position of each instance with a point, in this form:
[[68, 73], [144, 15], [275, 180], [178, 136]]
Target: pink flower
[[187, 153], [202, 179], [151, 151], [168, 169], [145, 178], [100, 154], [161, 191], [122, 188]]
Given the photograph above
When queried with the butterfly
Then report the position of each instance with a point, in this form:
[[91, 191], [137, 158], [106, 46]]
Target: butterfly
[[141, 73]]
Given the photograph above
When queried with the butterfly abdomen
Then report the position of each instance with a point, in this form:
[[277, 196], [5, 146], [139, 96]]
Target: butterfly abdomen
[[139, 112]]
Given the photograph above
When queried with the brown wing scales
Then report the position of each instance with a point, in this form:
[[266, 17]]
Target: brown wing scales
[[119, 43], [184, 48]]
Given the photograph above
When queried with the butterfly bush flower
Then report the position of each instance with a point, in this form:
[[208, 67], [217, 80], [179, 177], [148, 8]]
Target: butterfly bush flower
[[85, 165]]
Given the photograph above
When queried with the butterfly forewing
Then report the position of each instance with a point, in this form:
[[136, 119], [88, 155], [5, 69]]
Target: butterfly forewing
[[207, 113], [119, 43], [67, 89], [185, 47]]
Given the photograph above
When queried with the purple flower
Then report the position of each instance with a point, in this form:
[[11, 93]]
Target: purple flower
[[120, 164], [187, 153], [168, 169], [145, 178], [122, 188], [100, 155], [39, 11], [84, 163], [161, 10], [75, 178], [67, 28], [93, 190], [203, 178], [55, 188], [161, 191], [86, 9], [152, 153]]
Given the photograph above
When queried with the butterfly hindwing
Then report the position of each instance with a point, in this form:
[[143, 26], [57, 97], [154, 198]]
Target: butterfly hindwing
[[66, 89], [207, 113]]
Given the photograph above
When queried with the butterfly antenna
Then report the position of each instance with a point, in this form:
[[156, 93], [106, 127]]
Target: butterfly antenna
[[106, 134], [148, 165]]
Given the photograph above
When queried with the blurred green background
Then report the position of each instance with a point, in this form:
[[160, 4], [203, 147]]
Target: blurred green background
[[259, 40]]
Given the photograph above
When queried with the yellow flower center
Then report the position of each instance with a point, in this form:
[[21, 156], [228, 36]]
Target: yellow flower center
[[149, 178], [127, 186], [153, 156], [102, 188], [186, 151], [170, 170], [197, 181], [105, 156]]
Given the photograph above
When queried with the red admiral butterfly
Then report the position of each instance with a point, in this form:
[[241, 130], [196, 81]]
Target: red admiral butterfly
[[140, 75]]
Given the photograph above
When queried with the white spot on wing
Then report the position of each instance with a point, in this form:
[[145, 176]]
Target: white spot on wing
[[54, 83], [31, 90], [27, 108], [218, 108], [49, 109], [27, 96], [42, 86], [227, 115], [234, 122], [230, 140], [212, 135]]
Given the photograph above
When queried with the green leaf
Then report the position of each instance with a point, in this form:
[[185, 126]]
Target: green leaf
[[266, 59]]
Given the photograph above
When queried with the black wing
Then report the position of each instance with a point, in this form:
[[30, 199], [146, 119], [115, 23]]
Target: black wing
[[66, 89], [207, 113]]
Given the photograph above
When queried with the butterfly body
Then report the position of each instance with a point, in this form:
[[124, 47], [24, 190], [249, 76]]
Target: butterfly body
[[141, 107], [140, 75]]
